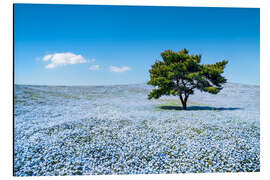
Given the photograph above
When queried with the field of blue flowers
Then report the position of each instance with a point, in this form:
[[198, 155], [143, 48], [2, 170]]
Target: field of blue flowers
[[88, 130]]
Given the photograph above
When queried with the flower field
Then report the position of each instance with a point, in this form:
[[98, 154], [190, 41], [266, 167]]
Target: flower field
[[90, 130]]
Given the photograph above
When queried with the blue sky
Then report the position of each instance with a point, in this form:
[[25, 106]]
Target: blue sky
[[103, 45]]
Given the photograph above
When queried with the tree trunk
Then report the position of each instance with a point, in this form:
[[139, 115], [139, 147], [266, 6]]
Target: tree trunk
[[183, 101], [184, 105]]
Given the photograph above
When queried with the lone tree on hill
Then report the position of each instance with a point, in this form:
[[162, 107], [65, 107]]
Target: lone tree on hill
[[180, 73]]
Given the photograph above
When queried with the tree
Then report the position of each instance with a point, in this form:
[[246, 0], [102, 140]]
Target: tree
[[180, 73]]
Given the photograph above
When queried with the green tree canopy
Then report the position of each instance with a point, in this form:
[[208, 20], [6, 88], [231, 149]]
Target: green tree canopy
[[180, 73]]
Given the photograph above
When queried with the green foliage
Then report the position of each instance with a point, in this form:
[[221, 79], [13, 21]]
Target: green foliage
[[179, 73]]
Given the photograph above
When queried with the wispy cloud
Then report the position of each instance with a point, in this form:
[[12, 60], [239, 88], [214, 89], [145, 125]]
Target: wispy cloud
[[94, 67], [119, 69], [62, 59]]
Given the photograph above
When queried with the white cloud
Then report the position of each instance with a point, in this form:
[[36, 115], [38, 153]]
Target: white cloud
[[47, 57], [62, 59], [119, 69], [94, 67], [93, 60]]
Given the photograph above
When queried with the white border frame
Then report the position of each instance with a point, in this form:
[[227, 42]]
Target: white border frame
[[6, 37]]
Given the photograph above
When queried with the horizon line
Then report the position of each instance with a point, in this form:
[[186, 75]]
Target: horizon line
[[123, 84]]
